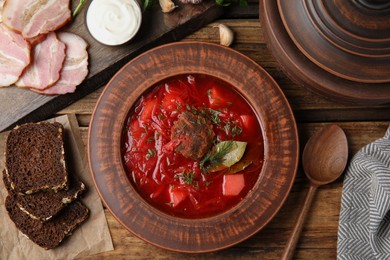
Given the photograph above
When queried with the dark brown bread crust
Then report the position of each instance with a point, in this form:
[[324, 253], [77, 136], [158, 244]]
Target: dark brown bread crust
[[51, 233], [35, 158], [46, 204]]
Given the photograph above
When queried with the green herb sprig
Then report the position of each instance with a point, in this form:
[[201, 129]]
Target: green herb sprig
[[147, 4], [214, 157], [188, 178], [150, 154], [78, 8], [211, 114], [242, 3]]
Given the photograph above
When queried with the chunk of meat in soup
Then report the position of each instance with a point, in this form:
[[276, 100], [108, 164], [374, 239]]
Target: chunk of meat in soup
[[192, 135]]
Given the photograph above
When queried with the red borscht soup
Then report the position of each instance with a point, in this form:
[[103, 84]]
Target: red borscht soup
[[193, 147]]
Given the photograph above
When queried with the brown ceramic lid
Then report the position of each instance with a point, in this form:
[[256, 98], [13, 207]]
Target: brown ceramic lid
[[298, 66], [346, 38]]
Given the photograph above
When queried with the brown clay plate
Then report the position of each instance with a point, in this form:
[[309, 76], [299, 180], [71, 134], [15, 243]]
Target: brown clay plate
[[278, 128]]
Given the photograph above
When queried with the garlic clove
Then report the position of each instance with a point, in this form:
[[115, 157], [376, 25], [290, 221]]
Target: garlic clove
[[226, 35], [167, 6]]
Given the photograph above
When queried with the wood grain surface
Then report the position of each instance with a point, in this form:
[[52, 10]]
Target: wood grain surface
[[362, 124], [20, 105]]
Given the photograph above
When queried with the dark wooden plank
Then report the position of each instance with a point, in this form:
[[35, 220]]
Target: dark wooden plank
[[235, 11], [20, 105]]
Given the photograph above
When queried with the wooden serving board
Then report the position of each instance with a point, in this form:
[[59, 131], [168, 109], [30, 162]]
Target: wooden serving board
[[20, 105]]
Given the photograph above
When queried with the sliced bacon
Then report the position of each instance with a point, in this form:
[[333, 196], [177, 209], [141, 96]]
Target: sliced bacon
[[1, 10], [75, 67], [34, 17], [34, 41], [44, 71], [14, 56]]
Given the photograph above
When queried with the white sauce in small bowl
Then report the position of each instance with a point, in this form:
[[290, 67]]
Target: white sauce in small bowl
[[113, 22]]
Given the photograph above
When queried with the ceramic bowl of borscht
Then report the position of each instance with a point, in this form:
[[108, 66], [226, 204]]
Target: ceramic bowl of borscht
[[193, 147]]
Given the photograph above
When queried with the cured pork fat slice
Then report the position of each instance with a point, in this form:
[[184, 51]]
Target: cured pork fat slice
[[14, 56], [34, 17], [1, 10], [44, 71], [75, 67]]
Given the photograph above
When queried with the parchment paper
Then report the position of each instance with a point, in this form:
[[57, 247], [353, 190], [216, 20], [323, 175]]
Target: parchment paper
[[90, 238]]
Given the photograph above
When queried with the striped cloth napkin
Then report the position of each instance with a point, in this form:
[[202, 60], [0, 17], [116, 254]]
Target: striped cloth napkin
[[364, 225]]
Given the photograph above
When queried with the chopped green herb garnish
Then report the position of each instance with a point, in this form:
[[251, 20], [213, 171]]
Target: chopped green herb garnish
[[188, 178], [194, 110], [236, 130], [231, 128], [215, 116], [150, 153], [134, 149], [229, 104], [227, 127], [212, 115], [150, 140], [161, 116]]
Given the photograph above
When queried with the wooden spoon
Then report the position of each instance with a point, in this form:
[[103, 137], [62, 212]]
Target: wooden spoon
[[324, 159]]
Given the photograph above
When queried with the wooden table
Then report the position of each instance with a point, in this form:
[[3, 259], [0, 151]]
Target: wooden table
[[319, 237]]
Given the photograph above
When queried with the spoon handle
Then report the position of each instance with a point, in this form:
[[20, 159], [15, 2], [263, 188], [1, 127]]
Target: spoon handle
[[294, 237]]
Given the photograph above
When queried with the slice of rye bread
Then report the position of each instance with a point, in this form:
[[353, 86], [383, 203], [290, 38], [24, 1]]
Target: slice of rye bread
[[35, 158], [51, 233], [46, 204]]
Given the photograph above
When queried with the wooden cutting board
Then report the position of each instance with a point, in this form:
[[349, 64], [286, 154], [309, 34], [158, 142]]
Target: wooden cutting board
[[20, 105]]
